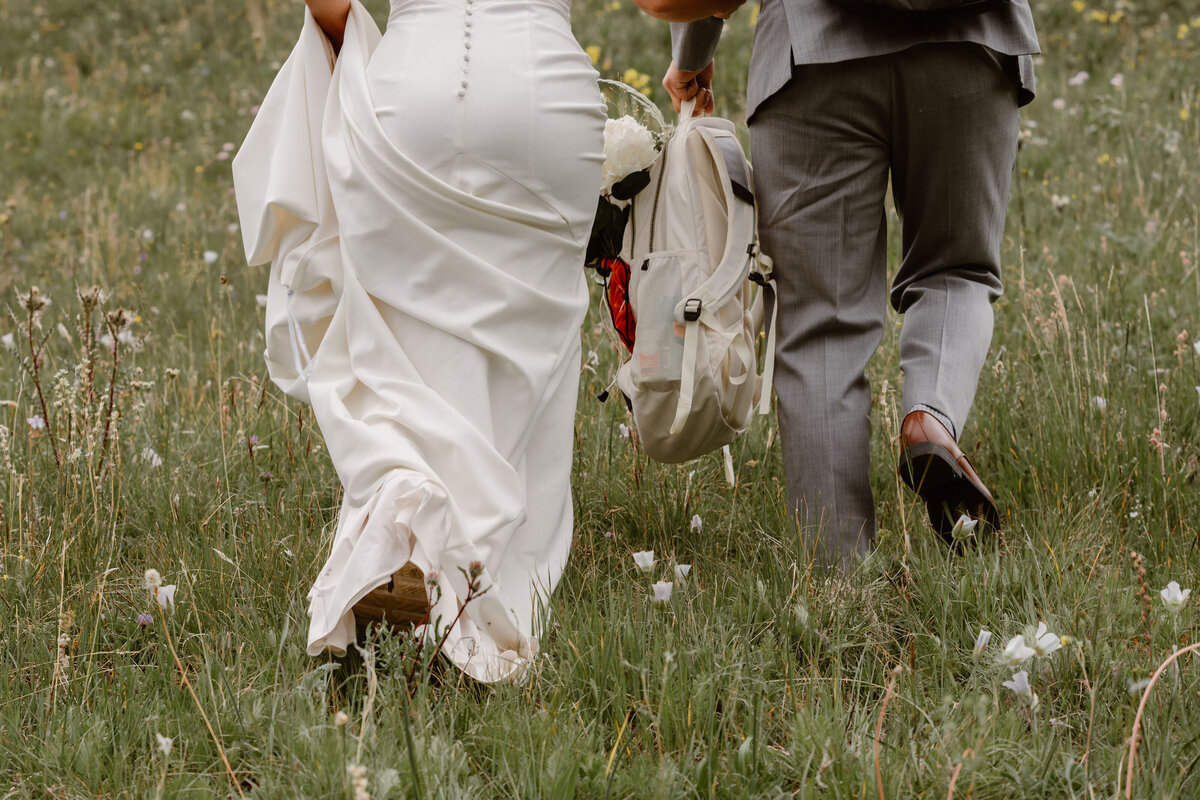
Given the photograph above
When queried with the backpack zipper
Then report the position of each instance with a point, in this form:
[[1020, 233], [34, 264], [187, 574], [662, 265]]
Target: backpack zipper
[[654, 208]]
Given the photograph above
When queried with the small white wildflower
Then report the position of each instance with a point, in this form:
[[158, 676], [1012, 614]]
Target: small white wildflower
[[1117, 81], [981, 642], [36, 423], [153, 579], [152, 458], [1078, 79], [165, 595], [1016, 652], [1058, 104], [1195, 345], [341, 718], [681, 574], [623, 431], [1045, 642], [1060, 201], [8, 341], [1020, 685], [165, 743], [696, 523], [644, 560], [963, 529], [1173, 597], [210, 256], [662, 593], [148, 235], [1100, 404]]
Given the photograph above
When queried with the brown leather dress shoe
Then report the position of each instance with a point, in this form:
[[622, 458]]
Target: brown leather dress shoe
[[933, 467], [401, 602]]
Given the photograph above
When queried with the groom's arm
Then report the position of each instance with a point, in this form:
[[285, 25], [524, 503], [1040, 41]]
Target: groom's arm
[[693, 44], [690, 74]]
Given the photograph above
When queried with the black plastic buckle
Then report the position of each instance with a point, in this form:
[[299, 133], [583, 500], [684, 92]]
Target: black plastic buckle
[[757, 277], [691, 310]]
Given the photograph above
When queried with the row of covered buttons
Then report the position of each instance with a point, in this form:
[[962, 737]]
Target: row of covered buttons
[[462, 89]]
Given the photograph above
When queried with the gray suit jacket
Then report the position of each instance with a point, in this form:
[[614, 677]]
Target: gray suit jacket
[[824, 32]]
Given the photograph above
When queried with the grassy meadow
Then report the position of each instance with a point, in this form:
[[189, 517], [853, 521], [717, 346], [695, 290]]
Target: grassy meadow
[[140, 431]]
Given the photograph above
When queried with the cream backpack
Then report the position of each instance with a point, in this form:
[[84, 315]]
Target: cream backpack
[[697, 287]]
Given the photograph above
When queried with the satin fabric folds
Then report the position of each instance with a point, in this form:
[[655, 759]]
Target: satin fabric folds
[[425, 215]]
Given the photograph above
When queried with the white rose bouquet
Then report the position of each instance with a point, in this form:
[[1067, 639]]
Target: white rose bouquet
[[630, 149]]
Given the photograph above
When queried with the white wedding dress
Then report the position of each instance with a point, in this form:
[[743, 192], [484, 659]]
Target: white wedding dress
[[424, 202]]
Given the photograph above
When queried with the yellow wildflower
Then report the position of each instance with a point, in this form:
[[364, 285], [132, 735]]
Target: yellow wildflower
[[593, 52]]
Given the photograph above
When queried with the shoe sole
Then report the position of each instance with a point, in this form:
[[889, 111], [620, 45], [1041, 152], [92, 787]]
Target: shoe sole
[[931, 471], [401, 602]]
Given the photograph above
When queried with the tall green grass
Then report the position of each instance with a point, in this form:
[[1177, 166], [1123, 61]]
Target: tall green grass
[[763, 677]]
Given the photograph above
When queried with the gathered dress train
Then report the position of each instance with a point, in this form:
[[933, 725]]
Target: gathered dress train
[[424, 200]]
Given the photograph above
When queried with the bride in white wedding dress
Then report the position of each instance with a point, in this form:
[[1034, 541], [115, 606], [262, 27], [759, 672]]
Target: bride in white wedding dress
[[424, 200]]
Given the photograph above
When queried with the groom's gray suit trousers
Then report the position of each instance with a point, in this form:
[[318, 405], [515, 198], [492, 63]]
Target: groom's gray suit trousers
[[940, 120]]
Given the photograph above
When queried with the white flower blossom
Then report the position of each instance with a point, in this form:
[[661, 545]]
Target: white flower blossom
[[210, 256], [153, 579], [623, 430], [341, 718], [981, 642], [629, 147], [1078, 79], [1059, 201], [696, 523], [8, 341], [963, 529], [36, 423], [662, 593], [1100, 404], [1173, 597], [644, 560], [681, 574], [1020, 685], [1117, 81], [1016, 652], [165, 743], [165, 595], [151, 457], [1044, 642]]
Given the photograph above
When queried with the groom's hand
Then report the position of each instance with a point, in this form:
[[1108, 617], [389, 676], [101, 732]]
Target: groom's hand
[[684, 85]]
